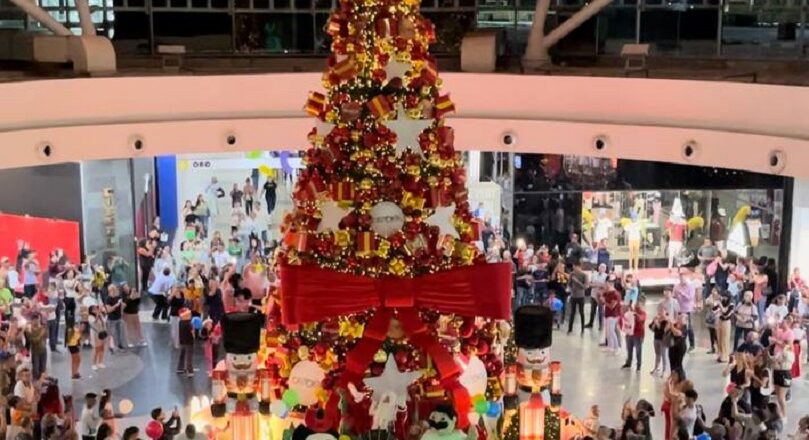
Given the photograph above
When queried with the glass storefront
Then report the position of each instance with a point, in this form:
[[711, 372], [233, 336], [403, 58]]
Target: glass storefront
[[649, 210]]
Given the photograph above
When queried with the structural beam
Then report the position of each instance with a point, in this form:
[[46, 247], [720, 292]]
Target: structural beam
[[536, 53], [43, 17], [85, 19]]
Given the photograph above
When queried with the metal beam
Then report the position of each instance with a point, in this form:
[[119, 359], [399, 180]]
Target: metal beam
[[43, 17], [85, 18]]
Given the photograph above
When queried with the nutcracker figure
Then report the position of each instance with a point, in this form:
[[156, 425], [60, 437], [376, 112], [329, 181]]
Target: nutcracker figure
[[236, 378], [533, 336]]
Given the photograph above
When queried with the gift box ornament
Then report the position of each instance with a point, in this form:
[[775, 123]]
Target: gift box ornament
[[345, 69], [365, 243], [380, 106], [350, 111], [315, 104], [443, 106], [386, 27], [342, 191]]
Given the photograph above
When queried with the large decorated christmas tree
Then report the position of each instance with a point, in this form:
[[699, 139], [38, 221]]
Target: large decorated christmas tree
[[386, 307]]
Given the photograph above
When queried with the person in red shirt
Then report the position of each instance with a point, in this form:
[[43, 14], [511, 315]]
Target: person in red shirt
[[612, 313], [635, 328]]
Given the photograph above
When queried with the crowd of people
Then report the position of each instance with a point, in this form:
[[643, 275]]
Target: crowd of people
[[755, 330], [90, 310]]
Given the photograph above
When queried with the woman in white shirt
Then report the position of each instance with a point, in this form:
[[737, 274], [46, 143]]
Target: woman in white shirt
[[70, 284], [776, 311]]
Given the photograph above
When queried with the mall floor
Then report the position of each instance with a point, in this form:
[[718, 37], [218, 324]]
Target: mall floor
[[589, 376]]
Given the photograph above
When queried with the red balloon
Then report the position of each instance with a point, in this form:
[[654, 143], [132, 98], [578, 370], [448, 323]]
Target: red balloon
[[154, 429]]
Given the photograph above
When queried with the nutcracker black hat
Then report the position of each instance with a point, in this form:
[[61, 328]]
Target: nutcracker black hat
[[241, 332], [533, 327]]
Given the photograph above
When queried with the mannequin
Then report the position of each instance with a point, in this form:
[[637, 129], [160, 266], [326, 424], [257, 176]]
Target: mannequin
[[633, 237], [718, 229], [676, 227], [603, 224]]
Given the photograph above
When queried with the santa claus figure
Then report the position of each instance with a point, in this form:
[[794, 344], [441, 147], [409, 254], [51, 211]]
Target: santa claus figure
[[533, 335]]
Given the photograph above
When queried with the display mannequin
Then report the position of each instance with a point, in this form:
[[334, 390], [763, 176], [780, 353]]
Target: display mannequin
[[718, 230], [676, 227], [603, 224], [633, 238]]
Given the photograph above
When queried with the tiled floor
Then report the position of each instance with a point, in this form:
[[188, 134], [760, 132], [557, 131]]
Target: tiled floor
[[589, 375]]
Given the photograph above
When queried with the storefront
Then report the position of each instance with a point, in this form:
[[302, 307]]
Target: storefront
[[650, 211]]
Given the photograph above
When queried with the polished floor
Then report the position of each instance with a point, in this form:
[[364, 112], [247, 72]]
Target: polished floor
[[589, 376]]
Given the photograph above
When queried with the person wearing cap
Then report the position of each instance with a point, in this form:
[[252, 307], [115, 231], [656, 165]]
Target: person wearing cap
[[185, 337], [90, 418]]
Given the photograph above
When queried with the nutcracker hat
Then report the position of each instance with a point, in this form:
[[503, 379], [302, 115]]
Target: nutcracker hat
[[533, 327], [242, 332]]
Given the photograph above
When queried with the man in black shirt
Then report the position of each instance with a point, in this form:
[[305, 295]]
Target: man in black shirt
[[146, 257], [268, 190], [115, 305], [573, 251]]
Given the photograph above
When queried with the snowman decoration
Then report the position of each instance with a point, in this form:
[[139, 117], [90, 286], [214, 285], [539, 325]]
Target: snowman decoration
[[533, 335], [442, 423]]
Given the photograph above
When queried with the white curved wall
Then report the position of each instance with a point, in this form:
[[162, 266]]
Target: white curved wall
[[734, 125]]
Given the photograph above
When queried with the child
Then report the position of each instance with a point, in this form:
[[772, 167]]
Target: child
[[186, 341], [556, 306]]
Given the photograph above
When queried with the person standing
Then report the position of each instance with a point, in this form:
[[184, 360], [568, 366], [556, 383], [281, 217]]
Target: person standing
[[213, 192], [578, 287], [659, 327], [598, 285], [37, 337], [159, 291], [746, 314], [171, 427], [685, 294], [30, 276], [634, 333], [71, 286], [134, 332], [677, 346], [90, 418], [114, 308], [146, 259], [49, 309], [268, 191], [98, 330], [185, 338], [176, 303], [712, 306], [73, 342], [725, 313], [612, 313], [249, 192]]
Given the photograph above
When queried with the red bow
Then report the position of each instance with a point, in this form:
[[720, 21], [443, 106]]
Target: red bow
[[313, 294]]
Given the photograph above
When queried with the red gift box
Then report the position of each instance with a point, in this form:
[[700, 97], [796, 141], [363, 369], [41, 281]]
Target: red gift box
[[443, 106], [345, 69], [342, 191], [429, 73], [446, 136], [365, 243], [337, 25], [380, 106], [315, 104], [438, 197], [386, 27]]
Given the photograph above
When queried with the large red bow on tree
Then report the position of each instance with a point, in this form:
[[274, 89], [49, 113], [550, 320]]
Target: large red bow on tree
[[310, 293]]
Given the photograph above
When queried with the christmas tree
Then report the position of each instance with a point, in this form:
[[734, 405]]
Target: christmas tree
[[381, 281]]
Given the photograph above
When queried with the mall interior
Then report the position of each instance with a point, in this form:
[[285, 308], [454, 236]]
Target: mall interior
[[404, 220]]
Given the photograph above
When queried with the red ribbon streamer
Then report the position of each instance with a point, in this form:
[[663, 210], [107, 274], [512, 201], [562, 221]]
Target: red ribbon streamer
[[311, 293]]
